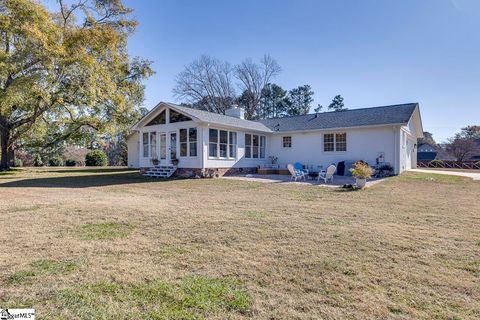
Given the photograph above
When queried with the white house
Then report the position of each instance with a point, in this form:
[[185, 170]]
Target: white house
[[203, 141]]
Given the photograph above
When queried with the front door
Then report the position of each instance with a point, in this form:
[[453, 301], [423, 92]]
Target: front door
[[163, 148], [172, 154]]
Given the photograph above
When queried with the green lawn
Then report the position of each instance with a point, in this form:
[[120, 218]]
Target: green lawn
[[110, 244]]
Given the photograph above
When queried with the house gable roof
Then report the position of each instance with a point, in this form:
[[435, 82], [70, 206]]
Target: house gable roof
[[207, 117], [375, 116], [386, 115]]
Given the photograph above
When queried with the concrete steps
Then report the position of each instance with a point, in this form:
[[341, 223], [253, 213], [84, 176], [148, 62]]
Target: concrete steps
[[160, 171]]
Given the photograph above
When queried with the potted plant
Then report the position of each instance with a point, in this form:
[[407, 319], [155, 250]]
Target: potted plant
[[155, 161], [361, 172], [175, 161]]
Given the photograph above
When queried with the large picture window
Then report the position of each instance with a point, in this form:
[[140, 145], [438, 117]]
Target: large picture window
[[188, 142], [334, 142], [222, 144], [254, 146]]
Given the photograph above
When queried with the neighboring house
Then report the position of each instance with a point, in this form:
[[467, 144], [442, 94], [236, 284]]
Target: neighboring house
[[426, 152], [202, 140]]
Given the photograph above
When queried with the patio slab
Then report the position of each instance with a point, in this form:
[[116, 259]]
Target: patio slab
[[278, 178]]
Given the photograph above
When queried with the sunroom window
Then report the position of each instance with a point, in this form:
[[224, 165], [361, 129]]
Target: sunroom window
[[254, 146], [149, 144], [188, 142], [222, 144]]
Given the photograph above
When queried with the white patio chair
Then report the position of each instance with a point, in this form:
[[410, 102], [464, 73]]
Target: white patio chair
[[295, 173], [327, 175]]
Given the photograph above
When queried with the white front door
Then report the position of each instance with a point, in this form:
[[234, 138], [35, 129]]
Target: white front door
[[168, 147], [163, 148]]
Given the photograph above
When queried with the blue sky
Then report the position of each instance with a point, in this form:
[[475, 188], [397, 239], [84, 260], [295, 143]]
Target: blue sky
[[371, 52]]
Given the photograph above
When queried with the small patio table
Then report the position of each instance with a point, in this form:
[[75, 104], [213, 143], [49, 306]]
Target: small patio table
[[313, 174]]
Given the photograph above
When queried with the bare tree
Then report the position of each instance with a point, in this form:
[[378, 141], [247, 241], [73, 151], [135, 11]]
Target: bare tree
[[252, 79], [461, 147], [207, 84]]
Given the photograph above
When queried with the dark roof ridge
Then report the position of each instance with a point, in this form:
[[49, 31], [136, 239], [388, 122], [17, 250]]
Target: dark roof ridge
[[356, 109]]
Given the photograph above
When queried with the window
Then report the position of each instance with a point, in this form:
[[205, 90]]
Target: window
[[287, 142], [177, 117], [254, 146], [262, 147], [232, 144], [149, 142], [153, 145], [160, 119], [163, 146], [213, 143], [334, 142], [222, 144], [341, 142], [192, 139], [188, 142], [146, 152], [183, 143], [248, 146]]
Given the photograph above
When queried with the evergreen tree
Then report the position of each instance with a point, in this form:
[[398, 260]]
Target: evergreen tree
[[274, 102], [337, 104], [300, 99]]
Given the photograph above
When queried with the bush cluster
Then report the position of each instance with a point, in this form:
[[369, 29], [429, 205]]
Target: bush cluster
[[96, 158], [55, 161]]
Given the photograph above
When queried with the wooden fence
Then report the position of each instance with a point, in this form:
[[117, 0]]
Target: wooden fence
[[448, 164]]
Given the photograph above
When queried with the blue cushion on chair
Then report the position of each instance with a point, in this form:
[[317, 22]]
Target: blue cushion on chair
[[298, 166]]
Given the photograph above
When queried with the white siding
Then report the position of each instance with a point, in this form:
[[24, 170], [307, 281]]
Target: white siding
[[133, 147], [362, 144], [408, 142]]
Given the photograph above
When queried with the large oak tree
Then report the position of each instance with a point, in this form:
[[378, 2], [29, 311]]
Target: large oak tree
[[64, 71]]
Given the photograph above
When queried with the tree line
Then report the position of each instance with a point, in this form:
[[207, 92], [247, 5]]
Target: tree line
[[464, 145], [214, 85], [65, 75]]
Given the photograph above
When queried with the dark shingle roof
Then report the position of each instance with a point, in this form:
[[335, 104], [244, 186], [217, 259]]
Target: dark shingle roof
[[386, 115], [221, 119], [426, 155]]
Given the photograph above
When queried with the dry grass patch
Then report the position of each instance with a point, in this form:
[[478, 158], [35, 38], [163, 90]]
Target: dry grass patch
[[407, 248]]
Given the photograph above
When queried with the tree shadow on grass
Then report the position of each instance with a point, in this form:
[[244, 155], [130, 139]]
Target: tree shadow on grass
[[82, 181], [82, 170]]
